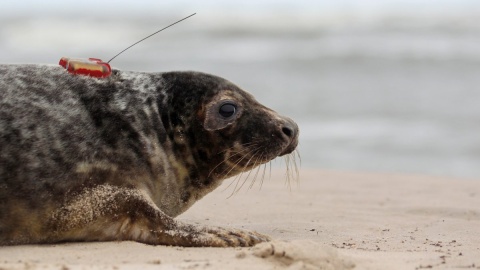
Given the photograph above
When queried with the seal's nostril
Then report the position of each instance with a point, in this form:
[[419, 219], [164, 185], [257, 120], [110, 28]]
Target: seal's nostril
[[287, 131]]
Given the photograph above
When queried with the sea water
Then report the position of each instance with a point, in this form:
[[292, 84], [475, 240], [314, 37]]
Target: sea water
[[371, 87]]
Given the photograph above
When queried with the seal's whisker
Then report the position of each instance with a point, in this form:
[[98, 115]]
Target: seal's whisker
[[293, 166], [233, 167], [297, 171], [225, 160], [270, 173], [252, 143], [240, 158], [288, 174], [263, 176], [256, 174], [236, 180], [247, 144], [299, 157], [249, 172], [264, 165], [239, 176], [247, 147]]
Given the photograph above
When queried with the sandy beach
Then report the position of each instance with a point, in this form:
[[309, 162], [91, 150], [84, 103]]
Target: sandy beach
[[330, 220], [375, 86]]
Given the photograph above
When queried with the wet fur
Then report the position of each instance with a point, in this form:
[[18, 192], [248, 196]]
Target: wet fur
[[85, 159]]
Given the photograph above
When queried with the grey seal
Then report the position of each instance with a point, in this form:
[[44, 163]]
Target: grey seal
[[88, 159]]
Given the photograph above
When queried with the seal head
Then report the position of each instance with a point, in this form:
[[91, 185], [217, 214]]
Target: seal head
[[223, 128], [218, 130]]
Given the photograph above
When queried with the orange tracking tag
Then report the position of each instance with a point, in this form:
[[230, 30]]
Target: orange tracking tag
[[93, 67]]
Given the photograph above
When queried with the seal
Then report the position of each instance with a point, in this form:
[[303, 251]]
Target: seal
[[87, 159]]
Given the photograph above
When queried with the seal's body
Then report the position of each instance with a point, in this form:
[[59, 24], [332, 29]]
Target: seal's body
[[86, 159]]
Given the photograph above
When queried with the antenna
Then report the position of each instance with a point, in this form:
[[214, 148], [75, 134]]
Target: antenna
[[150, 36]]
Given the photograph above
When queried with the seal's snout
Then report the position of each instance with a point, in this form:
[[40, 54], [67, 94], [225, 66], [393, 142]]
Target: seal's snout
[[289, 129], [290, 135]]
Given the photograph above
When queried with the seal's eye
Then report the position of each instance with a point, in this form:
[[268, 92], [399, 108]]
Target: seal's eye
[[227, 110], [220, 114]]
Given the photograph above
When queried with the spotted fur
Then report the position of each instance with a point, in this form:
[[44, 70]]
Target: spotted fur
[[86, 159]]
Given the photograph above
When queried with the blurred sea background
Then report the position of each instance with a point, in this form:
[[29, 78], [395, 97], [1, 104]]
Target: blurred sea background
[[382, 86]]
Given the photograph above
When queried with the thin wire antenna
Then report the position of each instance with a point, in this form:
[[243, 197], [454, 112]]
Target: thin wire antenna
[[150, 36]]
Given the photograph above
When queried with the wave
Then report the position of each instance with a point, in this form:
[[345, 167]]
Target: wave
[[261, 43]]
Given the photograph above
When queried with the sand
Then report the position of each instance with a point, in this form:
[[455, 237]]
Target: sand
[[331, 220]]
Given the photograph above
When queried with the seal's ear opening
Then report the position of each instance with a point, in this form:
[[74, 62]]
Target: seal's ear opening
[[220, 114]]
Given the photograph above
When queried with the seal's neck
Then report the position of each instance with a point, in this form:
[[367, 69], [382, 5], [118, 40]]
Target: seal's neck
[[187, 178]]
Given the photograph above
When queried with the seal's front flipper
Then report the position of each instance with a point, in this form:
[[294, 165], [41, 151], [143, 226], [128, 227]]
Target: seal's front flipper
[[191, 236], [111, 213]]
